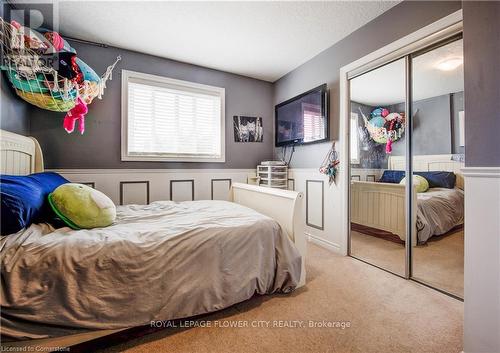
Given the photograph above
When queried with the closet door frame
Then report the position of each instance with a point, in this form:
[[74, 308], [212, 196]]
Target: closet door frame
[[425, 39]]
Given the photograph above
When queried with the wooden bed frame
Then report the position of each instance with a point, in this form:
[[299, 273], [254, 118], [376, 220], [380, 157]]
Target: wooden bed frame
[[382, 205], [21, 155]]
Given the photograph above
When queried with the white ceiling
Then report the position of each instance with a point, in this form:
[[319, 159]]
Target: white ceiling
[[264, 40], [386, 85]]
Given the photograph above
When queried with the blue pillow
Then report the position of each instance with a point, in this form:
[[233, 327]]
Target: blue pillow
[[392, 176], [24, 199], [435, 179], [439, 179]]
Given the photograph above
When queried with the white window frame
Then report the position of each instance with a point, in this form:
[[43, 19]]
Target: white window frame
[[354, 134], [160, 81]]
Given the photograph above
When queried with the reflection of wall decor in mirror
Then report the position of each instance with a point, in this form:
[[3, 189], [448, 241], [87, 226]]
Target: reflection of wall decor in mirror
[[248, 129], [461, 127], [385, 127]]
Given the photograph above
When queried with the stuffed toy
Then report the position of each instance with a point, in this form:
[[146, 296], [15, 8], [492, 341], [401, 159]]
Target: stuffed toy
[[379, 112], [377, 121], [80, 206], [421, 184], [76, 113], [55, 39], [67, 67]]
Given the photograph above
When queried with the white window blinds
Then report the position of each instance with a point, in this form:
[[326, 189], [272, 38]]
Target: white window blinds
[[172, 121]]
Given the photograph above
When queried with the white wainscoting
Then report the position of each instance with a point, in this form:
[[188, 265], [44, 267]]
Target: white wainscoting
[[482, 260], [366, 174], [182, 190], [322, 210], [136, 192], [141, 186]]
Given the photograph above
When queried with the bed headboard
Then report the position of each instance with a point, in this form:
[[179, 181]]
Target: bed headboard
[[429, 163], [19, 155]]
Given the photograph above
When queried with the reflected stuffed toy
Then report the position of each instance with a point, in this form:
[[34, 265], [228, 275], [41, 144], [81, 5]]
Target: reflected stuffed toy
[[76, 113]]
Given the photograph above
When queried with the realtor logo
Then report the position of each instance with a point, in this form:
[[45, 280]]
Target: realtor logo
[[32, 14], [26, 29]]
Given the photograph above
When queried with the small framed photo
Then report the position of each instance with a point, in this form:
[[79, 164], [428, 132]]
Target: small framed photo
[[248, 129]]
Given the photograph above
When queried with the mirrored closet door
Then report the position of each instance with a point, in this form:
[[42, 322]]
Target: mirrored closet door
[[378, 210], [406, 196], [437, 150]]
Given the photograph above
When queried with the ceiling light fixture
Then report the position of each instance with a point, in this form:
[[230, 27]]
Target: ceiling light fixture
[[450, 64]]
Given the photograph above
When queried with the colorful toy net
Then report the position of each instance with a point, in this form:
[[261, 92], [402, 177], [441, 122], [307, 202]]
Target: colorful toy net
[[385, 127], [45, 71]]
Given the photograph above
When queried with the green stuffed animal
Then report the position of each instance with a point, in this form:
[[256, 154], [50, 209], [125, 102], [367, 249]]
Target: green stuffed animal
[[81, 206], [421, 184]]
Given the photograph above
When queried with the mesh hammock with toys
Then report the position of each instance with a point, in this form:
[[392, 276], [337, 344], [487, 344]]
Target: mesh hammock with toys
[[45, 71], [384, 127]]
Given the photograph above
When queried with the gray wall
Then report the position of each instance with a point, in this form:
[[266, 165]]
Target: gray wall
[[435, 126], [14, 112], [404, 19], [99, 147], [482, 83], [482, 127]]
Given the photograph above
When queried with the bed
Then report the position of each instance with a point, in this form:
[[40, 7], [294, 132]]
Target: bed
[[160, 261], [382, 206]]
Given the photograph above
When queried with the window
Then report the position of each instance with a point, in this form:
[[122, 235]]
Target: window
[[354, 139], [171, 120]]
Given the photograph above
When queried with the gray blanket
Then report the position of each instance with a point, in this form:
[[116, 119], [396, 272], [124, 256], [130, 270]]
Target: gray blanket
[[438, 211], [158, 262]]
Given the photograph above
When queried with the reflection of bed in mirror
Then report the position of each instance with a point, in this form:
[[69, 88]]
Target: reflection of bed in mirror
[[379, 208]]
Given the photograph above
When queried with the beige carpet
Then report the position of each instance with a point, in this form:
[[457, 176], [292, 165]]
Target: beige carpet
[[386, 314], [440, 262]]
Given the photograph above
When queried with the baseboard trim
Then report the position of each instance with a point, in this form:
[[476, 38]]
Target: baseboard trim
[[323, 243]]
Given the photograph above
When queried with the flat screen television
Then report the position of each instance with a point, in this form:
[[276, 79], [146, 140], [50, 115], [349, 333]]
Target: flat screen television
[[302, 119]]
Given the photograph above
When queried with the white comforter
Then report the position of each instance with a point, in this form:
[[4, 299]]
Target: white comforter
[[163, 261], [438, 211]]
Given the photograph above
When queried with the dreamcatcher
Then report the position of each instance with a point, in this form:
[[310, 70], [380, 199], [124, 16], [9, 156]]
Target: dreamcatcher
[[385, 127], [330, 164], [45, 71]]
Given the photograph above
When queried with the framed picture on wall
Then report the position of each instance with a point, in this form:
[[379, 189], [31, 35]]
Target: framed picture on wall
[[248, 129]]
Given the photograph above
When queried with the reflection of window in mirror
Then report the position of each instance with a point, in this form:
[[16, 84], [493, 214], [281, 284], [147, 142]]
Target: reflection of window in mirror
[[461, 126], [354, 139], [314, 124]]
